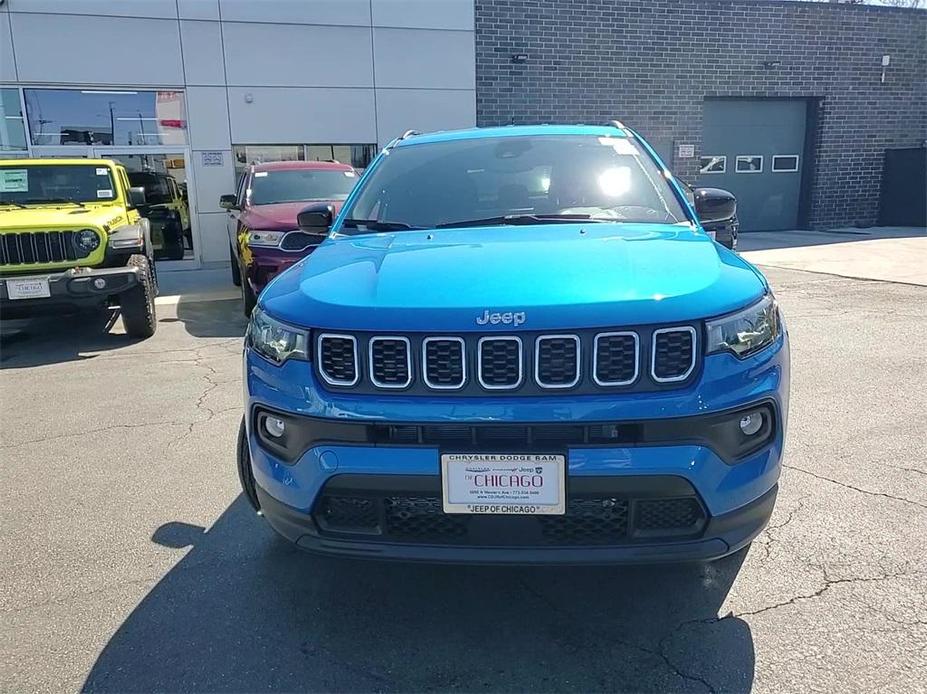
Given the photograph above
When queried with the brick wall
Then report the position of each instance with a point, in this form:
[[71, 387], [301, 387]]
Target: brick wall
[[651, 63]]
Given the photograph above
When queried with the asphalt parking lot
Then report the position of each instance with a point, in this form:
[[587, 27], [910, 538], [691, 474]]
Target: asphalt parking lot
[[131, 563]]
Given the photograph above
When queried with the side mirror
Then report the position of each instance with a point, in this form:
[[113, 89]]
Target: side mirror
[[137, 196], [228, 202], [714, 205], [317, 218]]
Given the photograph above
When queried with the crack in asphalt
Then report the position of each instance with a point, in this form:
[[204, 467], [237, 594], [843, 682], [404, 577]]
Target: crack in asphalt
[[658, 653], [868, 492], [98, 430], [769, 532]]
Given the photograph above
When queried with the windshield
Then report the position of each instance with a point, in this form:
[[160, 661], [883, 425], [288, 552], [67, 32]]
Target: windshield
[[268, 187], [499, 180], [157, 191], [56, 183]]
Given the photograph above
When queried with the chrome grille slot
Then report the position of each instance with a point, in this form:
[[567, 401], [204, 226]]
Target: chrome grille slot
[[616, 358], [337, 359], [444, 363], [390, 362], [673, 357], [557, 361], [500, 362]]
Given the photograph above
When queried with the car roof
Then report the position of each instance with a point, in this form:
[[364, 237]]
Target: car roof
[[512, 131], [292, 165], [53, 161]]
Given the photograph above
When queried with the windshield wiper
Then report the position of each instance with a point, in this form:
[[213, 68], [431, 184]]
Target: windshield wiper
[[12, 202], [52, 201], [520, 219], [377, 225]]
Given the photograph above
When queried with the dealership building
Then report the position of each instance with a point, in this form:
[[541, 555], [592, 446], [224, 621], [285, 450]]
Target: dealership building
[[813, 114]]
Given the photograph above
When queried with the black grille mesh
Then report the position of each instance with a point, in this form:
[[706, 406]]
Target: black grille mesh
[[668, 514], [558, 359], [419, 517], [672, 353], [348, 512], [337, 358], [389, 364], [615, 358], [588, 521], [38, 247], [444, 363], [500, 363]]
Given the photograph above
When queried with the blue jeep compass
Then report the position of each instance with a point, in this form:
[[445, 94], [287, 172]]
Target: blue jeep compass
[[516, 345]]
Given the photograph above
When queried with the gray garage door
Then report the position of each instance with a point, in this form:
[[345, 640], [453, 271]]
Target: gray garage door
[[754, 148]]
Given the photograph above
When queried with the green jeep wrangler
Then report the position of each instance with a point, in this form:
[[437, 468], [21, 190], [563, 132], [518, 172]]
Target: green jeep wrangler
[[71, 236]]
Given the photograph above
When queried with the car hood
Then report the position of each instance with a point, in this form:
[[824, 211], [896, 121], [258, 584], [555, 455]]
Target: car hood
[[60, 217], [560, 276], [280, 216]]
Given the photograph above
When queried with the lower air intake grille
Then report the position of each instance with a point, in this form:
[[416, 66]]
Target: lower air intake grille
[[338, 359], [661, 515], [673, 354], [412, 512]]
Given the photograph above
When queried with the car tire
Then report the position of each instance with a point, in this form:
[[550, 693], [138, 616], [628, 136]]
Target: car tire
[[245, 474], [248, 297], [173, 241], [137, 306], [236, 268]]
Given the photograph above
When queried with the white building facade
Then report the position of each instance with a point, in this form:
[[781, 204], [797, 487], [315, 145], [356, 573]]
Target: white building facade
[[200, 88]]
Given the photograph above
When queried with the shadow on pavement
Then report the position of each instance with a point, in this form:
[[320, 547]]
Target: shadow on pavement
[[767, 240], [210, 318], [244, 611], [58, 339]]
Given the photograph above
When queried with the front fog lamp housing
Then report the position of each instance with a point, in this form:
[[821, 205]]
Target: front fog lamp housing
[[275, 340], [274, 426], [750, 424], [747, 331], [87, 240]]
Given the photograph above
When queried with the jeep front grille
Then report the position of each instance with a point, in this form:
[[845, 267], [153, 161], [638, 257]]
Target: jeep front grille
[[556, 361], [390, 362], [27, 247], [338, 359], [586, 361], [500, 362], [673, 354]]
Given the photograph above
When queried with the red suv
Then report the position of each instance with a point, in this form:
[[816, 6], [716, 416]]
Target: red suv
[[264, 238]]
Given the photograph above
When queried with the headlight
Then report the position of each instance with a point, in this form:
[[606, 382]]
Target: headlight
[[87, 240], [265, 238], [274, 340], [746, 331]]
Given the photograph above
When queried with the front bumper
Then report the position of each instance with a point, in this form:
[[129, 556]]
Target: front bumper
[[735, 496], [75, 287]]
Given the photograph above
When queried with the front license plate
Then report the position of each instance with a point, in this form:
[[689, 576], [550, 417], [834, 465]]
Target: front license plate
[[504, 483], [27, 289]]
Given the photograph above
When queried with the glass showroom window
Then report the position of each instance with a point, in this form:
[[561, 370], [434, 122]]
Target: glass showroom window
[[106, 117], [358, 156], [12, 125]]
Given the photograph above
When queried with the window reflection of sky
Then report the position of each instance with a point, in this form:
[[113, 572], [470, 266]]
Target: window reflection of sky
[[106, 117]]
